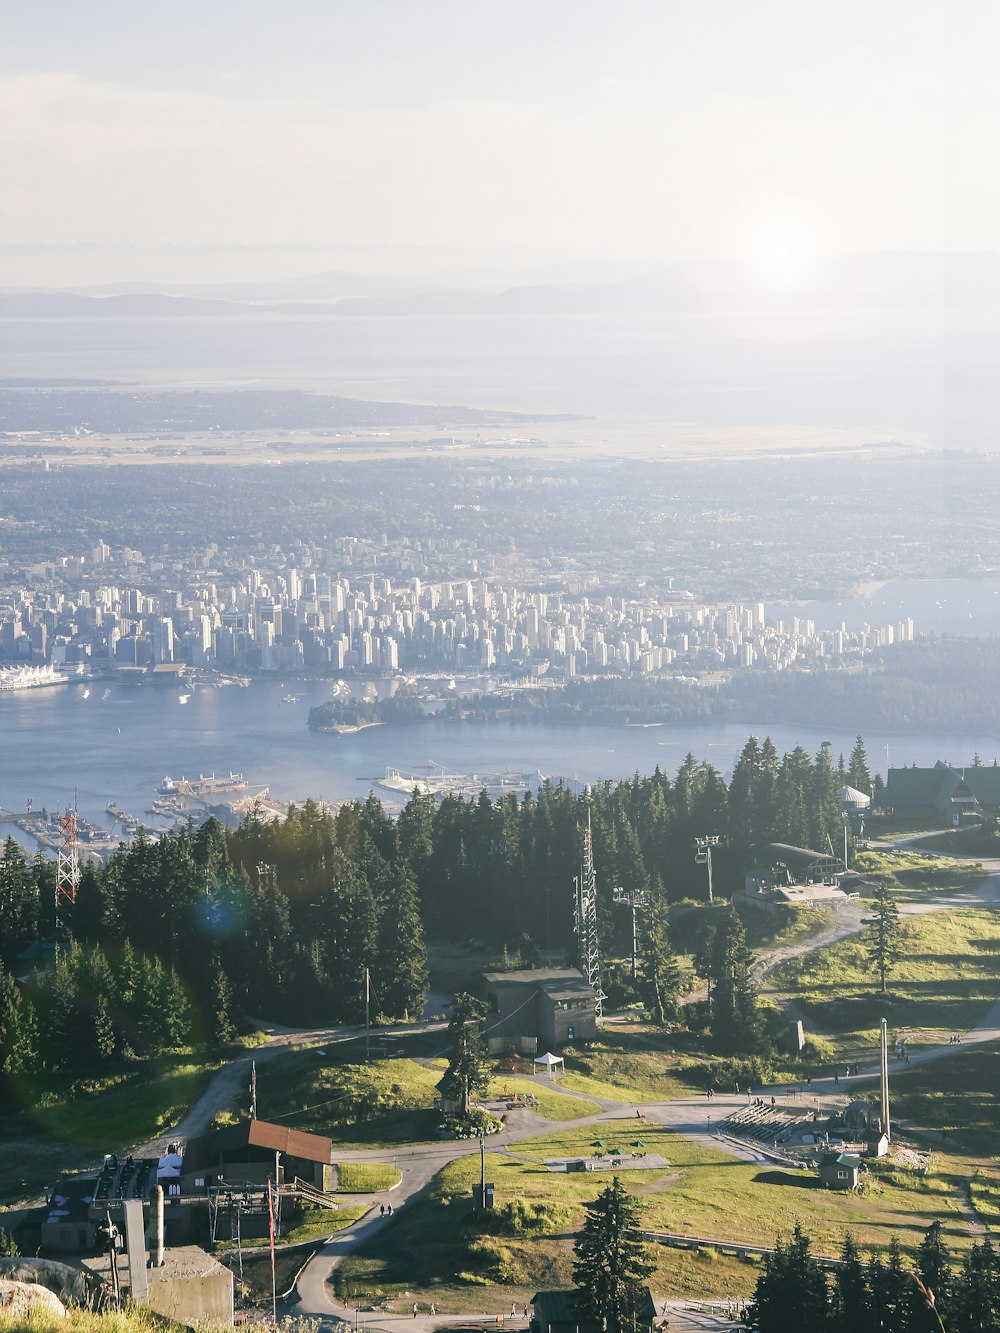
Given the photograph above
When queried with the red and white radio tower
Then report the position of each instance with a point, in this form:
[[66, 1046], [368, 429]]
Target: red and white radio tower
[[67, 870]]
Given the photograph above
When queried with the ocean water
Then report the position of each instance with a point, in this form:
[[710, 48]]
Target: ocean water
[[120, 742], [888, 372]]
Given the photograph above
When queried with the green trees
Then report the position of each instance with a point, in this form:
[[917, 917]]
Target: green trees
[[660, 975], [468, 1057], [858, 774], [884, 936], [19, 902], [791, 1292], [734, 1018], [402, 952], [794, 1293], [610, 1260]]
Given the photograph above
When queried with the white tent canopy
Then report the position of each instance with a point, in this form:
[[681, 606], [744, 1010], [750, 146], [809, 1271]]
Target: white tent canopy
[[550, 1062]]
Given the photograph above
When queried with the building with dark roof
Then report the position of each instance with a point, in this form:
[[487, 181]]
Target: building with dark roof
[[786, 874], [547, 1007], [249, 1154], [942, 792], [556, 1312]]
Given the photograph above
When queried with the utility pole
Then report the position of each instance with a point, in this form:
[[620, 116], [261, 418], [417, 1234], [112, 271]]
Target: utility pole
[[482, 1172], [368, 1015], [636, 899], [703, 857], [846, 824]]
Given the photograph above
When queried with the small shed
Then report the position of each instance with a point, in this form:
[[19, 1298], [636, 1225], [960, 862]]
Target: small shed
[[839, 1171]]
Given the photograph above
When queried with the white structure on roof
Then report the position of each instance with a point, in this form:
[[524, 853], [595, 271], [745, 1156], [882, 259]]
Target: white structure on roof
[[852, 799]]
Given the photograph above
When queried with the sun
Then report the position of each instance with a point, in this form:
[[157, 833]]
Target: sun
[[782, 259]]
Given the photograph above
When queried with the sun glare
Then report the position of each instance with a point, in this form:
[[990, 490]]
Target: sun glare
[[782, 260]]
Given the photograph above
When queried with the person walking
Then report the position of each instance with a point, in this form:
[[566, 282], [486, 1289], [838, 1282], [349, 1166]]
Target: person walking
[[414, 1309]]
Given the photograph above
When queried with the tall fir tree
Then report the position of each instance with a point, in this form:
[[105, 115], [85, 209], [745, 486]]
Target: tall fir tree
[[791, 1293], [735, 1019], [468, 1057], [401, 964], [611, 1261], [884, 937]]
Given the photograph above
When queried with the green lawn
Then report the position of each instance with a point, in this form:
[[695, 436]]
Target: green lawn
[[633, 1066], [551, 1103], [366, 1177], [945, 982], [435, 1249]]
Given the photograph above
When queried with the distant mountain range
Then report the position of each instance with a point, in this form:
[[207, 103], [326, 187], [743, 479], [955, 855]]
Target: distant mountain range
[[884, 280]]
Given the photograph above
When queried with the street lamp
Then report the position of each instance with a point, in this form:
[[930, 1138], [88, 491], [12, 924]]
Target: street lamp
[[703, 857]]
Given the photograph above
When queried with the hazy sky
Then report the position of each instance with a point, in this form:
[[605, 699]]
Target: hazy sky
[[142, 137]]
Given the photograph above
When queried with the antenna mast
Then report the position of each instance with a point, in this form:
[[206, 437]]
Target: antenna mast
[[67, 871], [585, 886]]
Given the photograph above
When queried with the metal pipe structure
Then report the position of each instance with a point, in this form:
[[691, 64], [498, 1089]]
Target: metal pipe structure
[[156, 1228], [884, 1072]]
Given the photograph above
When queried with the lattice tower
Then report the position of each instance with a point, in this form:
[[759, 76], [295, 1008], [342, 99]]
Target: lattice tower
[[67, 870], [586, 918]]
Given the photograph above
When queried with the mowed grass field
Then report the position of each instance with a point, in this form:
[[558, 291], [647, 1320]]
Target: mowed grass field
[[945, 982], [436, 1250]]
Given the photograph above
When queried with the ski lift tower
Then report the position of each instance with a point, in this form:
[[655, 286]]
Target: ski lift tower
[[636, 900], [703, 857], [585, 893]]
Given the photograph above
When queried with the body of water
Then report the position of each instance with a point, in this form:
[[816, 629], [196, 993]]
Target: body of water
[[121, 741], [968, 607], [884, 371]]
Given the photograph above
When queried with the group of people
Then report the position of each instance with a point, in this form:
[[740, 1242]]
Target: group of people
[[385, 1210], [500, 1317]]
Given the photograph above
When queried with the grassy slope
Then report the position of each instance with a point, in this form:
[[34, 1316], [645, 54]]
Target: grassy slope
[[61, 1127], [945, 982], [956, 1097], [435, 1250], [914, 874]]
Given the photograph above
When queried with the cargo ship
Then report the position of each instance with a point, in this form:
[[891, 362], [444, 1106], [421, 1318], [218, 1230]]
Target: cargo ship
[[29, 678], [203, 786]]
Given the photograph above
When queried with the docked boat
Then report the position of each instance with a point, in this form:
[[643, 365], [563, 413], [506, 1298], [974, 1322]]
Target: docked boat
[[203, 786]]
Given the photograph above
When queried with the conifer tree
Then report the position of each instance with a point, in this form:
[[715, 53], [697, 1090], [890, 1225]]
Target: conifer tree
[[402, 953], [884, 937], [660, 976], [734, 1017], [468, 1057], [222, 1019], [791, 1293], [849, 1299], [611, 1260]]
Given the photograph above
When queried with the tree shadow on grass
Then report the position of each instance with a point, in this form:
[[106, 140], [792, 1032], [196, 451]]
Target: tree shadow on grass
[[798, 1181]]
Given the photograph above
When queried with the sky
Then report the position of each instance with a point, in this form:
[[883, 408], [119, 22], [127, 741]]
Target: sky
[[227, 138]]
